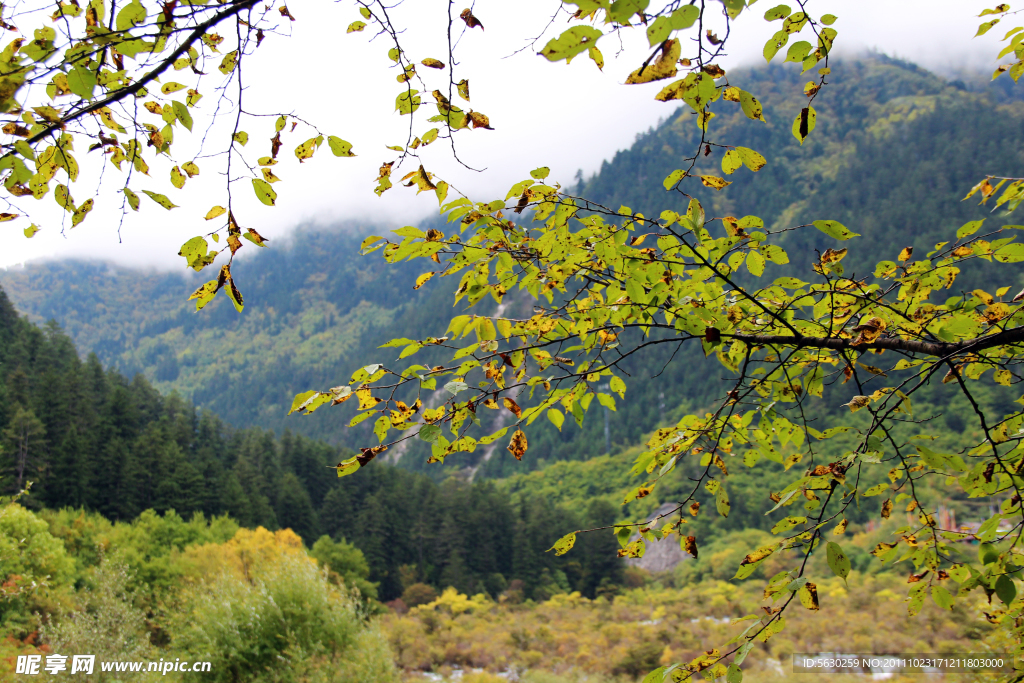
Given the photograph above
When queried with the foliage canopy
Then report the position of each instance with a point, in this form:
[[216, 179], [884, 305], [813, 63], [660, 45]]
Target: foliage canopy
[[606, 283]]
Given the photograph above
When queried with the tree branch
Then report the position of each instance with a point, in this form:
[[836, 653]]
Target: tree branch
[[118, 95], [938, 349]]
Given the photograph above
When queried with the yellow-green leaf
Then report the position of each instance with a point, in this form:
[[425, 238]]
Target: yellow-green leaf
[[835, 229], [205, 294], [808, 594], [177, 178], [64, 199], [195, 253], [307, 148], [264, 192], [564, 544], [803, 124], [341, 148], [160, 199], [227, 65], [133, 199], [81, 212]]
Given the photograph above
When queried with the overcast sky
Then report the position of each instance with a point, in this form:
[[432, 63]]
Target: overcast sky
[[566, 117]]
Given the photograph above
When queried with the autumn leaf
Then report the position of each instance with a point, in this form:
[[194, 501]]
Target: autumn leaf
[[205, 293], [513, 407], [471, 21], [804, 123], [517, 447], [422, 279], [808, 594], [662, 68], [758, 555], [564, 544], [479, 120], [214, 212], [714, 182], [254, 237]]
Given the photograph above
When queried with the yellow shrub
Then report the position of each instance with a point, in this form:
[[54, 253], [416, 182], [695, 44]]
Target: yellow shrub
[[566, 599], [246, 555], [455, 603]]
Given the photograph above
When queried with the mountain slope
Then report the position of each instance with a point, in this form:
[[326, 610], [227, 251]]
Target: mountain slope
[[894, 150], [306, 309], [90, 439]]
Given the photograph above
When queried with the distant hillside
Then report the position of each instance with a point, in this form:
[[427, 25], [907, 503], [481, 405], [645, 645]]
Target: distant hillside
[[306, 309], [894, 150]]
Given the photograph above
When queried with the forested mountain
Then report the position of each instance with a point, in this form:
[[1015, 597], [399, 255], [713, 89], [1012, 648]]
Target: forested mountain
[[895, 149], [316, 310], [90, 438]]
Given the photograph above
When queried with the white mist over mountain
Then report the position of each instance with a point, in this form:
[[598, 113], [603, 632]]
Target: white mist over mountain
[[566, 117]]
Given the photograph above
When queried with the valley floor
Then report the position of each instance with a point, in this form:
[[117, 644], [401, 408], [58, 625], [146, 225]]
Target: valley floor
[[571, 639]]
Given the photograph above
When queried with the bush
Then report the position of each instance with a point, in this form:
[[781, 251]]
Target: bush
[[346, 563], [418, 594], [287, 624], [36, 571], [106, 624], [635, 577]]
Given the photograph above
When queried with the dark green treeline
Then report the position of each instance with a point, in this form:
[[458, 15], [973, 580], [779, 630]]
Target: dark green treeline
[[88, 437]]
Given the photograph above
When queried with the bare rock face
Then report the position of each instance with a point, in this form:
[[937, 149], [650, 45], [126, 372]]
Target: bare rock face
[[663, 555]]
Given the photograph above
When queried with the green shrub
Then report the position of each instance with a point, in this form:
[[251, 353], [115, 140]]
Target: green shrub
[[418, 594], [35, 570], [345, 562], [289, 623], [107, 623]]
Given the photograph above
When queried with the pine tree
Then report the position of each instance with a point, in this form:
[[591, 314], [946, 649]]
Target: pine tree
[[24, 448], [189, 484], [69, 472], [451, 558], [295, 510], [597, 551], [233, 500]]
